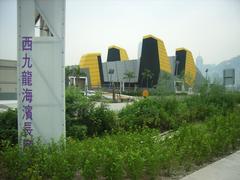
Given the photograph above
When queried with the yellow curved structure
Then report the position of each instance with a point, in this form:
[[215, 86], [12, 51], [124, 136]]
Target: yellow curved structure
[[92, 62]]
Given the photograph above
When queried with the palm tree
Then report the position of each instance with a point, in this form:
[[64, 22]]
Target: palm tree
[[77, 71], [129, 75], [147, 75], [73, 71]]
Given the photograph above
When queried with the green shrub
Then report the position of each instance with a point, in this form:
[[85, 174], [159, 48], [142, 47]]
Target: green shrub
[[171, 112], [142, 113], [161, 113], [101, 120], [84, 119], [78, 108], [77, 131], [8, 128], [38, 162]]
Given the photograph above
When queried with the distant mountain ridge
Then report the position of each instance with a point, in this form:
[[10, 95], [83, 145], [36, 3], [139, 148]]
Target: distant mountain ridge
[[215, 72]]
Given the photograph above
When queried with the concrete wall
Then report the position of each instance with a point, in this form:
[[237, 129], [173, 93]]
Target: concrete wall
[[8, 79], [120, 68]]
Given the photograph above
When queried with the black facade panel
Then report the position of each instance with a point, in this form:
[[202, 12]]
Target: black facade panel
[[100, 68], [180, 62], [113, 55], [149, 60]]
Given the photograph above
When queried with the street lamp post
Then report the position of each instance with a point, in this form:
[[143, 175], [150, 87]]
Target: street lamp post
[[206, 74], [177, 63], [111, 72]]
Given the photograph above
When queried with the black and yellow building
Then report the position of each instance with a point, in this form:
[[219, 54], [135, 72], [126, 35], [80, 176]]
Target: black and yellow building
[[116, 53], [153, 58], [152, 66]]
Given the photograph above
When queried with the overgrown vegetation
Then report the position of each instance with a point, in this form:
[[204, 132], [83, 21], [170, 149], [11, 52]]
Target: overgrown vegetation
[[104, 145], [170, 112], [135, 155], [84, 119], [8, 126]]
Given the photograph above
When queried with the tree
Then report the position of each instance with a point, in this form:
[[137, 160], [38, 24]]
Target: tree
[[73, 71], [165, 85], [129, 75], [67, 71], [147, 75], [77, 71]]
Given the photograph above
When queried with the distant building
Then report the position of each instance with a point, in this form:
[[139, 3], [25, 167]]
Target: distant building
[[199, 64], [8, 79], [231, 79], [81, 82], [228, 77]]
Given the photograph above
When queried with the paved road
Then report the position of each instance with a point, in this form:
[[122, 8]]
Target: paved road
[[5, 104], [115, 106], [225, 169]]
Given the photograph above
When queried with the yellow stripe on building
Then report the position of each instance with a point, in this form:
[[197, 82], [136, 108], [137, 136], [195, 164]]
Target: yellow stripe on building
[[123, 55], [163, 57], [190, 68]]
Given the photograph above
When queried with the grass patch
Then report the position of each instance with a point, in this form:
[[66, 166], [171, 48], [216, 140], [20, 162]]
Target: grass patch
[[143, 153]]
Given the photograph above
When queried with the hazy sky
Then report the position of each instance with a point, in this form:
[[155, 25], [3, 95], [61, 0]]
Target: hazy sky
[[210, 28]]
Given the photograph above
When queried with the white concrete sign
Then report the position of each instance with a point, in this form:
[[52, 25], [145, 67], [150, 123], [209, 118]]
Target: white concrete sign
[[41, 75]]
